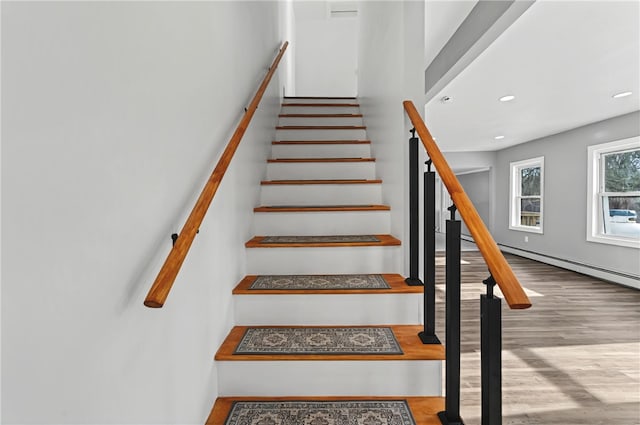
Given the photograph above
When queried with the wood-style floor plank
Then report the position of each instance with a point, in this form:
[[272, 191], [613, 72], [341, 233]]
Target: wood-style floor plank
[[573, 358]]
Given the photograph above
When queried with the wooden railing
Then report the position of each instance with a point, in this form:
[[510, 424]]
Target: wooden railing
[[497, 264], [164, 281]]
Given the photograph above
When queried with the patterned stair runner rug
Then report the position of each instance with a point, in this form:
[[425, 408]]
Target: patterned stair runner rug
[[318, 340], [308, 282], [321, 239], [374, 412]]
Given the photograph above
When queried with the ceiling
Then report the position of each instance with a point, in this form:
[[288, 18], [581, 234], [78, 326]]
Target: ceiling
[[441, 20], [562, 60]]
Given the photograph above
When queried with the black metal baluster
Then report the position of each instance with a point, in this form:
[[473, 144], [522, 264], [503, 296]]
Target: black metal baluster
[[491, 355], [414, 225], [429, 334], [451, 415]]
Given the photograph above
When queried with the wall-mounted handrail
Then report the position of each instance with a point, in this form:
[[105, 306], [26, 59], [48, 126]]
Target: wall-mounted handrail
[[164, 281], [498, 266]]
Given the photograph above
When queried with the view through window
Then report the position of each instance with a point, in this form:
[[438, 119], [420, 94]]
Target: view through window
[[615, 192], [526, 195]]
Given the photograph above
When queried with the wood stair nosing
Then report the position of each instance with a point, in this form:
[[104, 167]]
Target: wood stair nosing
[[383, 240], [321, 127], [320, 208], [321, 142], [331, 105], [396, 282], [406, 335], [424, 409], [285, 160], [321, 181], [320, 115], [321, 97]]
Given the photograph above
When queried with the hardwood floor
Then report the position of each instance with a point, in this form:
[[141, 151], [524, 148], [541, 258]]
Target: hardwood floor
[[572, 359]]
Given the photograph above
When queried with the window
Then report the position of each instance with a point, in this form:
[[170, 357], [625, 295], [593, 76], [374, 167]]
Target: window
[[527, 184], [614, 193]]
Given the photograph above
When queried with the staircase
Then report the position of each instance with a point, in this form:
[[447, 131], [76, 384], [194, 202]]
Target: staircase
[[325, 328]]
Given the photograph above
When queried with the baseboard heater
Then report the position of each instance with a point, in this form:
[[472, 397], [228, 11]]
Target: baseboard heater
[[624, 279]]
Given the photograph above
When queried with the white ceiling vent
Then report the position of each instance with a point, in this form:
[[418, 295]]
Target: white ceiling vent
[[343, 9]]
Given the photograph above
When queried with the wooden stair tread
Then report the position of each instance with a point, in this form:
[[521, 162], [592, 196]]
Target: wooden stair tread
[[282, 160], [424, 409], [322, 181], [353, 105], [320, 115], [384, 240], [395, 281], [321, 142], [321, 208], [320, 97], [321, 127], [406, 335]]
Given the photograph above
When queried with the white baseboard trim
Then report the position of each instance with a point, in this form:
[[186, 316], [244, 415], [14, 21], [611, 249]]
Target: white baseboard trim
[[618, 278], [608, 275]]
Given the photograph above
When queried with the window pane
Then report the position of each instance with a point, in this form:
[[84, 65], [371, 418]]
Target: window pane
[[530, 212], [530, 181], [622, 171], [621, 216]]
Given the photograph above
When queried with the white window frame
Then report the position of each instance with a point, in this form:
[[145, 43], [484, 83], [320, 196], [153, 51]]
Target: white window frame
[[515, 196], [595, 223]]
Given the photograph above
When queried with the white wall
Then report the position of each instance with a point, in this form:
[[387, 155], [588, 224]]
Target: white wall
[[478, 186], [288, 32], [390, 61], [565, 202], [466, 165], [326, 53], [113, 115]]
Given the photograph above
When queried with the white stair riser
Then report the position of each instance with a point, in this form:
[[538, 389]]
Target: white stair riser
[[330, 378], [321, 151], [320, 110], [330, 309], [319, 100], [321, 194], [321, 170], [335, 260], [321, 134], [320, 121], [322, 223]]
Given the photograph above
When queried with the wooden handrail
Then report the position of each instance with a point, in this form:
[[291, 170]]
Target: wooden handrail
[[164, 281], [498, 266]]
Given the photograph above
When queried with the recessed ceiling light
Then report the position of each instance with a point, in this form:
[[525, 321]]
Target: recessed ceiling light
[[623, 94], [507, 98], [499, 137]]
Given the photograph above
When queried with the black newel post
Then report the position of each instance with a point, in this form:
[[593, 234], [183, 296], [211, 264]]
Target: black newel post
[[491, 355], [414, 225], [429, 334], [451, 415]]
